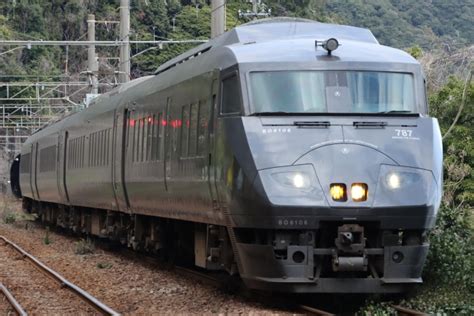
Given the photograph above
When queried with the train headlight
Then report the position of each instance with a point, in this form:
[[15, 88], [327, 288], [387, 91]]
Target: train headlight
[[297, 180], [291, 185], [359, 192], [396, 180], [393, 181], [338, 192], [406, 186]]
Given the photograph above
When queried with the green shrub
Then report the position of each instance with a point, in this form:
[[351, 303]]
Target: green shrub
[[451, 256], [46, 239], [104, 265], [84, 246], [9, 218]]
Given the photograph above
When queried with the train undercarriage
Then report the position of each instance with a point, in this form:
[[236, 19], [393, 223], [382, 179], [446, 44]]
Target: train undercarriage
[[337, 257]]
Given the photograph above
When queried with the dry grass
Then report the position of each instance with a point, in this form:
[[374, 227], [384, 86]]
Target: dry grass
[[11, 210]]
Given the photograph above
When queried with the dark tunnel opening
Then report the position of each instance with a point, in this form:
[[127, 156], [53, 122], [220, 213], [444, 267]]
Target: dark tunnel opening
[[15, 177]]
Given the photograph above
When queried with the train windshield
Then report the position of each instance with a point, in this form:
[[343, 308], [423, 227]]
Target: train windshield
[[332, 92]]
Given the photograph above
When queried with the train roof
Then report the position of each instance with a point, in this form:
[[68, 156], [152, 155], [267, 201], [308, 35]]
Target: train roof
[[280, 32], [277, 40]]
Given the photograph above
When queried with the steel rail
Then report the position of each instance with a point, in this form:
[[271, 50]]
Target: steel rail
[[13, 302], [314, 311], [403, 311], [88, 298]]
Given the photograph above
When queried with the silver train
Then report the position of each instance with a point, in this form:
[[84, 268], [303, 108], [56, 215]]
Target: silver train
[[297, 154]]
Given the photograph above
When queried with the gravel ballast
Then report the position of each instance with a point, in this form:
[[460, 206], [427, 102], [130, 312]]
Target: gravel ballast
[[127, 285]]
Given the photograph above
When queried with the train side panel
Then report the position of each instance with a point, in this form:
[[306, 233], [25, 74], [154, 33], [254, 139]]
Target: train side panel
[[89, 162], [46, 169], [168, 134], [25, 169]]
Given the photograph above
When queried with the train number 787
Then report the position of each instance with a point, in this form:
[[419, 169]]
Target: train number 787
[[404, 132]]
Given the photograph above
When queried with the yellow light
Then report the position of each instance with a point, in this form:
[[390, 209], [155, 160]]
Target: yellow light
[[359, 192], [338, 192]]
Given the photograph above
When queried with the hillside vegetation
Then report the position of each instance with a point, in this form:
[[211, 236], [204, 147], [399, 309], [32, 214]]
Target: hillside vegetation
[[429, 24], [439, 33]]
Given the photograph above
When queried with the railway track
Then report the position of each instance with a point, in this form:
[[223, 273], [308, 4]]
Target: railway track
[[403, 311], [305, 309], [18, 261], [12, 301]]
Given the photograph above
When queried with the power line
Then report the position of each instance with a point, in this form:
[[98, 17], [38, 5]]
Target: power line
[[28, 44]]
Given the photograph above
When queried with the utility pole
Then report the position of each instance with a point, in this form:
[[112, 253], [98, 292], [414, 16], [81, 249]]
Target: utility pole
[[255, 14], [124, 75], [218, 19], [255, 8], [92, 63]]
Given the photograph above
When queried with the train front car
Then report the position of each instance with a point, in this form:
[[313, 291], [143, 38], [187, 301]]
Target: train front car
[[336, 169]]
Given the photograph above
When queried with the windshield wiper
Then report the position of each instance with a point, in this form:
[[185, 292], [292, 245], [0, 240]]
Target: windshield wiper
[[271, 113], [312, 123], [396, 112]]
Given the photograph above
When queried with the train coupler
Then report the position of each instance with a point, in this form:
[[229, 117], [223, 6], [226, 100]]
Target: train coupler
[[349, 254]]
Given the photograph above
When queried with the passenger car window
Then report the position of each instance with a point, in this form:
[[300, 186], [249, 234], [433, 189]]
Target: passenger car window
[[231, 99]]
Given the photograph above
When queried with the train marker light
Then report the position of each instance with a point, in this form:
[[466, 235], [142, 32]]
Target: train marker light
[[338, 192], [359, 192]]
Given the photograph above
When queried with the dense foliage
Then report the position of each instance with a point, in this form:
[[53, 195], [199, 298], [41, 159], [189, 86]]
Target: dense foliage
[[427, 23]]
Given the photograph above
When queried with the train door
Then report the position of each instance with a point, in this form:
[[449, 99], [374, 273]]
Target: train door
[[121, 119], [33, 171], [212, 138], [61, 166]]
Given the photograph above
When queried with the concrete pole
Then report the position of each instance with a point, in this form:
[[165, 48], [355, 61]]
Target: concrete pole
[[92, 64], [218, 19], [255, 8], [124, 68]]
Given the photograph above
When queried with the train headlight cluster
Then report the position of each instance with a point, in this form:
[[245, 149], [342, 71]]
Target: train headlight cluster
[[295, 185], [359, 192], [402, 179]]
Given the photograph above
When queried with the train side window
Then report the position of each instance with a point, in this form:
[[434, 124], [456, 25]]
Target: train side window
[[107, 148], [185, 131], [90, 151], [145, 138], [142, 140], [82, 150], [193, 130], [134, 123], [138, 140], [149, 123], [202, 127], [231, 99], [100, 146], [154, 137], [161, 129], [94, 156]]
